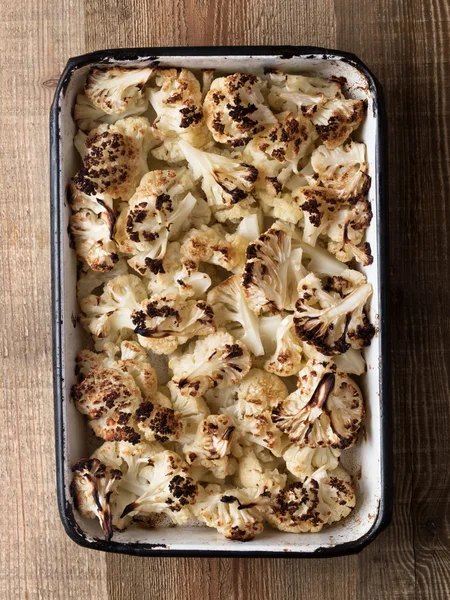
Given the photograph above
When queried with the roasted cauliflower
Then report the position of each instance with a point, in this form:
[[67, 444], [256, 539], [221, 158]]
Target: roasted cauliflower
[[325, 410], [235, 109], [217, 247], [218, 360]]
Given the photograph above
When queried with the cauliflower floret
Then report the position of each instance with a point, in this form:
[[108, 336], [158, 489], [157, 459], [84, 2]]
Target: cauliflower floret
[[215, 246], [192, 409], [120, 399], [157, 213], [253, 474], [215, 361], [244, 209], [225, 181], [281, 206], [302, 462], [257, 394], [108, 316], [89, 280], [92, 487], [174, 274], [115, 90], [178, 106], [155, 481], [319, 206], [277, 151], [272, 270], [287, 358], [319, 261], [173, 318], [333, 323], [133, 360], [115, 158], [351, 362], [325, 410], [212, 445], [91, 236], [337, 119], [89, 117], [308, 505], [298, 92], [234, 512], [343, 170], [231, 311], [235, 109], [347, 231]]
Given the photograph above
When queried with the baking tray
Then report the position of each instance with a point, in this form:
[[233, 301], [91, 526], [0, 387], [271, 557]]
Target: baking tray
[[370, 459]]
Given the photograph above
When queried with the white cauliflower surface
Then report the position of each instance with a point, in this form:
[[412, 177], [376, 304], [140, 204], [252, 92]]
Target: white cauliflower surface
[[219, 225]]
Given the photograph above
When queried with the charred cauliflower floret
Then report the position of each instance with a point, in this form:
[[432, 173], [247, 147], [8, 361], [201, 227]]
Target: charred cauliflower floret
[[232, 311], [257, 394], [302, 462], [108, 316], [158, 212], [235, 109], [337, 119], [215, 361], [319, 206], [325, 410], [165, 487], [174, 274], [92, 486], [323, 498], [115, 158], [301, 93], [225, 181], [333, 323], [233, 512], [271, 271], [347, 230], [116, 90], [154, 481], [193, 411], [287, 358], [177, 101], [343, 170], [117, 409], [130, 359], [277, 151], [173, 318], [91, 236], [212, 446], [215, 246]]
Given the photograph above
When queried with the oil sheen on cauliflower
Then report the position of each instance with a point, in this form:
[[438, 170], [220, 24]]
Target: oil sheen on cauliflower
[[218, 360], [325, 410]]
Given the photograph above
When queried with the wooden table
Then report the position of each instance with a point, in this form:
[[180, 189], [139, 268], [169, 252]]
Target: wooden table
[[406, 43]]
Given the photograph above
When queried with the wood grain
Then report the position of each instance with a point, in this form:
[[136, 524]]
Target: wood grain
[[405, 42]]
